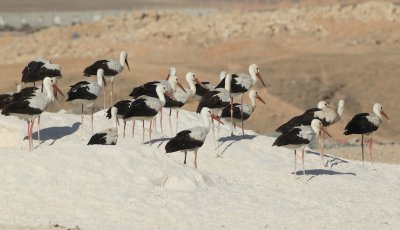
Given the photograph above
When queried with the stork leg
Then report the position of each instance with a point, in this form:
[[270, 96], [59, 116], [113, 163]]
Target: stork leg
[[29, 134], [39, 129], [370, 148], [91, 117], [150, 133], [362, 148], [123, 136], [302, 160], [161, 112], [170, 122], [195, 158], [112, 90], [213, 131], [143, 132], [217, 142], [177, 119], [295, 156], [231, 116], [241, 113], [133, 129], [321, 146], [104, 99], [184, 161], [82, 122]]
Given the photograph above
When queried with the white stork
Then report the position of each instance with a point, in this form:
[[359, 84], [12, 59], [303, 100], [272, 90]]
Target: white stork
[[29, 106], [122, 108], [146, 107], [237, 108], [40, 68], [366, 124], [108, 136], [86, 93], [300, 137], [111, 69], [192, 139]]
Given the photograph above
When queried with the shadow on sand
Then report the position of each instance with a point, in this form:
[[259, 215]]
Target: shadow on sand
[[233, 139], [161, 140], [55, 133], [332, 161]]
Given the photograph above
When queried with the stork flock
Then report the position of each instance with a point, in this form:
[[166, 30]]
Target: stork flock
[[215, 103]]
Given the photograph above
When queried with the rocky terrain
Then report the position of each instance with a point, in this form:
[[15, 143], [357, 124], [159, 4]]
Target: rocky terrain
[[306, 53]]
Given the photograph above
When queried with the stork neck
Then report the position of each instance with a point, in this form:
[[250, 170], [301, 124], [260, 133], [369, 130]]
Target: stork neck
[[206, 120], [253, 76], [228, 82], [340, 109], [49, 92], [114, 121], [122, 61], [192, 86], [100, 81], [378, 113], [253, 103], [161, 97]]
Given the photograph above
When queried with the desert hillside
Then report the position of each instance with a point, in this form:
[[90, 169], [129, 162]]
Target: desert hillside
[[306, 54]]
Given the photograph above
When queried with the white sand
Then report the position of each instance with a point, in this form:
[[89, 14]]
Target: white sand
[[134, 186]]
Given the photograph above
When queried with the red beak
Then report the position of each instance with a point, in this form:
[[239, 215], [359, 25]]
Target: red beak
[[127, 64], [259, 98], [324, 130], [180, 86], [384, 114], [259, 77], [56, 89], [169, 94], [215, 117], [200, 83]]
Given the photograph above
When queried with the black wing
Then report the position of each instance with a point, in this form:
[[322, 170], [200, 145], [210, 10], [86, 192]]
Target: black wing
[[139, 108], [200, 90], [80, 91], [4, 100], [100, 64], [221, 84], [212, 101], [122, 107], [182, 141], [171, 103], [28, 90], [31, 72], [359, 124], [20, 104], [290, 138], [147, 89], [304, 119], [98, 139]]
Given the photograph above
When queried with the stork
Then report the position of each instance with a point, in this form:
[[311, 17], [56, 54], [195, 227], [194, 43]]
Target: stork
[[108, 136], [366, 124], [40, 68], [299, 137], [146, 107], [111, 69], [29, 106], [192, 139], [241, 83], [237, 108], [86, 93], [122, 108]]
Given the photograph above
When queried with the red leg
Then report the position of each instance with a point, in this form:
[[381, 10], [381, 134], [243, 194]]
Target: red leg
[[184, 161], [370, 148], [143, 132], [92, 118], [150, 133], [295, 156], [177, 120], [302, 160], [231, 116]]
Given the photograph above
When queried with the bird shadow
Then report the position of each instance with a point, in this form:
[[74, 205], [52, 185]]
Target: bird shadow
[[332, 160], [161, 140], [233, 139], [312, 173], [55, 133]]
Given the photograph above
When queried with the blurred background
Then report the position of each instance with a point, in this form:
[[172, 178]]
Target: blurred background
[[307, 50]]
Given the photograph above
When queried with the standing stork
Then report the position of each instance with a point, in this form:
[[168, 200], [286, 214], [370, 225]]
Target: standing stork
[[366, 124], [29, 106], [192, 139], [216, 100], [86, 93], [146, 107], [38, 69], [300, 137], [237, 108], [122, 108], [241, 83], [108, 136], [111, 69]]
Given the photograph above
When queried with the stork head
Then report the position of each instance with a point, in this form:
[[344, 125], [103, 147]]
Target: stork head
[[123, 57], [378, 110], [317, 127], [171, 72], [322, 105], [222, 74], [254, 95], [255, 71], [207, 113]]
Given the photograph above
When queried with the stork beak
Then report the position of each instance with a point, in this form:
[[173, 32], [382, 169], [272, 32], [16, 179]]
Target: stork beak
[[259, 77], [127, 64], [215, 117], [180, 86], [324, 130], [200, 83], [104, 82], [259, 98], [56, 89], [384, 114]]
